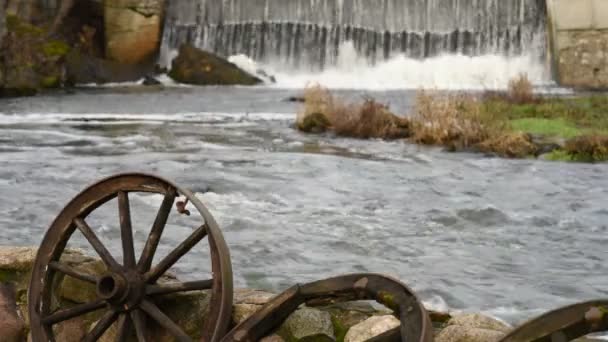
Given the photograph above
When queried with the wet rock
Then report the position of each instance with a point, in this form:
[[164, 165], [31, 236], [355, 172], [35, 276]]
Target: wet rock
[[371, 327], [295, 99], [472, 328], [12, 327], [195, 66], [151, 81], [308, 324], [314, 123], [132, 29], [83, 68], [546, 144]]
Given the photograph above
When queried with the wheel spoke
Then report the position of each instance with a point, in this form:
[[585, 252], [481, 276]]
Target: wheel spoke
[[147, 255], [75, 311], [140, 325], [126, 230], [65, 269], [179, 287], [124, 327], [102, 325], [153, 311], [104, 254], [176, 254]]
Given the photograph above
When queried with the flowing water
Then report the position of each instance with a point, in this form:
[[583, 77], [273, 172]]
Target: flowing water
[[507, 237]]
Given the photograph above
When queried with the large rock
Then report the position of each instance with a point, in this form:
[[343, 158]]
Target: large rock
[[371, 327], [472, 328], [195, 66], [308, 324], [29, 59], [83, 68], [132, 29], [12, 327]]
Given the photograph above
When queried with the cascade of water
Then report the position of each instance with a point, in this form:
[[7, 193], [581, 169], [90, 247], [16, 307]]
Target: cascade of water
[[308, 33]]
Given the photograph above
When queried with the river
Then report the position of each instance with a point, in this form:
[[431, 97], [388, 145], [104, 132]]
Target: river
[[511, 238]]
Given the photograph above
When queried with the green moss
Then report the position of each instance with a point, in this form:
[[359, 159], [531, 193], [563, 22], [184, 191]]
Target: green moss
[[50, 82], [559, 155], [314, 123], [340, 329], [16, 25], [547, 127], [388, 299], [55, 48]]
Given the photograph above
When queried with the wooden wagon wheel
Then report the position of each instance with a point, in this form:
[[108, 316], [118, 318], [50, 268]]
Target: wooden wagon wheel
[[415, 325], [125, 292], [564, 324]]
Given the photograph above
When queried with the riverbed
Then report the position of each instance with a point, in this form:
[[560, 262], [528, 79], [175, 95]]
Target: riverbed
[[511, 238]]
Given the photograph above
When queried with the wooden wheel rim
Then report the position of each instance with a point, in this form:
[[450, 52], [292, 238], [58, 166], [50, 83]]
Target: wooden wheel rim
[[60, 231]]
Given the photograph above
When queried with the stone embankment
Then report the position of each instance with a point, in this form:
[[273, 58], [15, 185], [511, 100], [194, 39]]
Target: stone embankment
[[352, 321]]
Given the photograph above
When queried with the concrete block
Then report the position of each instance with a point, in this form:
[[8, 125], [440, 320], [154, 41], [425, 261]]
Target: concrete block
[[600, 14], [573, 14]]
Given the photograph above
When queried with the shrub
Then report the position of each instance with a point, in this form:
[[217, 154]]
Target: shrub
[[369, 119], [588, 148], [456, 121], [510, 145], [521, 90]]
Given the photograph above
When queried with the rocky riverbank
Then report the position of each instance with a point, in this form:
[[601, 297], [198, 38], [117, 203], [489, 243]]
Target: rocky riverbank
[[513, 124], [353, 321], [93, 42]]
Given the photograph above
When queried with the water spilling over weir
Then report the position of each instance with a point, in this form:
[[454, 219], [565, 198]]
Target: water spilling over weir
[[308, 34]]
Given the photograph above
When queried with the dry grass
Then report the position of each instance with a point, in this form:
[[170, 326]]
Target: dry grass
[[510, 145], [589, 148], [455, 121], [369, 119], [521, 90]]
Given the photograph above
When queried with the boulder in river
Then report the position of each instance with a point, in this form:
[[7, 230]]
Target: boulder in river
[[132, 29], [195, 66]]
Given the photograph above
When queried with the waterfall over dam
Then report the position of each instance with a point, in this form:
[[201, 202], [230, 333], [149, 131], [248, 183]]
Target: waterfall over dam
[[309, 33]]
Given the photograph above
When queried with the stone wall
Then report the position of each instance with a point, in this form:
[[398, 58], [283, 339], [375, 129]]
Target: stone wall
[[132, 29], [342, 322], [580, 42]]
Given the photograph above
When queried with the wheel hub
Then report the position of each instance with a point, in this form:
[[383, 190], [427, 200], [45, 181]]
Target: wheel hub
[[112, 287]]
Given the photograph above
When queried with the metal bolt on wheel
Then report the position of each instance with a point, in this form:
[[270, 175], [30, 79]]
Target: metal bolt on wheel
[[125, 292]]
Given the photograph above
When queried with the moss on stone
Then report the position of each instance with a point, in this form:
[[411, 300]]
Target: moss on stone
[[16, 25], [50, 82], [388, 299], [55, 48], [340, 329], [314, 123]]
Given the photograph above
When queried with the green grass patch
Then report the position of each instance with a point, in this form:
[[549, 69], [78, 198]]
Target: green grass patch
[[547, 127], [559, 155]]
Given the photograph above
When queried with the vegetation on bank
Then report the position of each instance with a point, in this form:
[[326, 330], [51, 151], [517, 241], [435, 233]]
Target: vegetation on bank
[[514, 124]]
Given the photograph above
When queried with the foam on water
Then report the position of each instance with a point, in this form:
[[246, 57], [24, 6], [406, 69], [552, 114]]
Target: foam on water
[[449, 72], [126, 118]]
